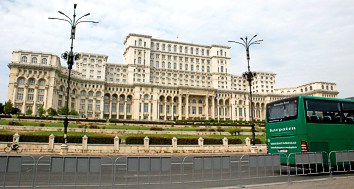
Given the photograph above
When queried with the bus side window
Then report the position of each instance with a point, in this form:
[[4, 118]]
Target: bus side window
[[348, 112]]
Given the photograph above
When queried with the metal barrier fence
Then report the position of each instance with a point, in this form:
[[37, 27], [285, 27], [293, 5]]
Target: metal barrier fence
[[164, 171]]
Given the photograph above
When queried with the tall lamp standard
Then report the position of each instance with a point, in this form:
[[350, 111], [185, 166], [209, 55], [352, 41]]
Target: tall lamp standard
[[249, 75], [70, 57]]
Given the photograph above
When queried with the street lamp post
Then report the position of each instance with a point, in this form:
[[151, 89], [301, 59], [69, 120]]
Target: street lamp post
[[249, 76], [70, 57]]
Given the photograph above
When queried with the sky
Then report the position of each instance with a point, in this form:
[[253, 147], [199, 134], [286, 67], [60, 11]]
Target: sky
[[304, 41]]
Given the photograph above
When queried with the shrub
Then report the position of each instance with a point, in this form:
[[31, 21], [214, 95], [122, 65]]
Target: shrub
[[156, 128], [41, 124], [212, 141], [211, 130], [160, 141], [202, 129], [93, 126], [187, 141], [235, 141], [235, 131], [134, 140], [219, 129], [257, 141], [14, 123]]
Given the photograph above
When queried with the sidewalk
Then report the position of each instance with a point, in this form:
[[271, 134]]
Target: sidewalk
[[344, 182]]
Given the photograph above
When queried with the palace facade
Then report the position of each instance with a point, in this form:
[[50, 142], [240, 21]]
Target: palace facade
[[159, 80]]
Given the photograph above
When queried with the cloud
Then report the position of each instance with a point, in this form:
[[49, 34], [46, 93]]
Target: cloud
[[304, 41]]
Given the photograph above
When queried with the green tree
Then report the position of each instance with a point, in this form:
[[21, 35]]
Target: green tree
[[73, 112], [41, 111], [62, 111], [1, 108], [29, 112], [51, 112], [8, 107]]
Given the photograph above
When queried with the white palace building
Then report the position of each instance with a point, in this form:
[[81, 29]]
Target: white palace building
[[159, 80]]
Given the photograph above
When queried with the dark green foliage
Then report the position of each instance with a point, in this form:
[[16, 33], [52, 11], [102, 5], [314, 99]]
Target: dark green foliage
[[257, 141], [134, 140], [187, 141], [6, 138], [235, 141], [14, 123], [219, 129], [29, 112], [160, 141], [51, 112], [41, 124], [212, 141], [8, 107], [156, 128], [41, 111]]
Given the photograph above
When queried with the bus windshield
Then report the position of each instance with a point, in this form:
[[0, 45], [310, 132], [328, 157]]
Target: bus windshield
[[282, 110]]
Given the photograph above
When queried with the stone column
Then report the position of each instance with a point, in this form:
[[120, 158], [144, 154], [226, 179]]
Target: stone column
[[116, 144], [146, 143], [174, 144], [187, 104], [213, 108], [25, 92], [248, 141], [180, 107], [207, 107], [51, 142], [84, 142], [165, 108], [225, 143], [200, 142], [125, 109]]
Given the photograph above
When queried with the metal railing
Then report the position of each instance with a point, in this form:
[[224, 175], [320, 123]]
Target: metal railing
[[165, 171]]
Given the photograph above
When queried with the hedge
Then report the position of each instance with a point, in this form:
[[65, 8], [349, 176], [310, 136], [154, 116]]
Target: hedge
[[57, 139]]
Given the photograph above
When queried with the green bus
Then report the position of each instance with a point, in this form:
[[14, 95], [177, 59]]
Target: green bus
[[309, 124]]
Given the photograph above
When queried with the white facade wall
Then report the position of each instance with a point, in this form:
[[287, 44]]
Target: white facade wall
[[159, 80]]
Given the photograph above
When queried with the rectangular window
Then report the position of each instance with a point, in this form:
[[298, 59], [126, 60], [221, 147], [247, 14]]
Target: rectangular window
[[89, 107], [19, 96], [40, 98], [114, 107], [200, 110], [30, 97], [121, 108], [128, 108], [322, 111], [146, 107], [283, 110]]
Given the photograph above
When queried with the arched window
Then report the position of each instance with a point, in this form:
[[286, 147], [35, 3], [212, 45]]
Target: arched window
[[21, 80], [24, 59], [83, 93], [90, 93], [34, 60], [140, 42], [129, 98], [139, 60], [146, 97], [98, 94], [41, 82], [44, 61], [194, 101], [31, 81], [200, 102]]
